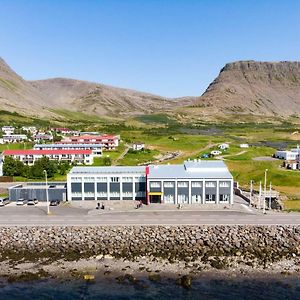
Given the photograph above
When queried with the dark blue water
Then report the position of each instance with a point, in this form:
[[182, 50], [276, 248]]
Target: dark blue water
[[277, 288]]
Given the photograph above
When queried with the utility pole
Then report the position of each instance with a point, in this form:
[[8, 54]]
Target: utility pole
[[260, 192], [251, 190], [47, 192], [270, 198], [265, 192]]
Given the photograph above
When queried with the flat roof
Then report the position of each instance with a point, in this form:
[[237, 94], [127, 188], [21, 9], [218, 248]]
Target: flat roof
[[211, 169], [109, 169], [190, 169]]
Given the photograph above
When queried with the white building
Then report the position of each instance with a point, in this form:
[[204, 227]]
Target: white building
[[194, 182], [215, 152], [244, 145], [8, 130], [41, 137], [95, 148], [13, 138], [28, 157], [286, 155], [31, 129], [223, 146], [138, 146]]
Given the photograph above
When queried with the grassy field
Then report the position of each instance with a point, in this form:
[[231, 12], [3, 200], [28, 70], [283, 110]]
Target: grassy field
[[162, 133]]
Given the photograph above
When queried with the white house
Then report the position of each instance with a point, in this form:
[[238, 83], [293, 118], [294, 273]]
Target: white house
[[286, 154], [223, 146], [215, 152], [8, 130], [138, 146], [31, 129], [244, 145]]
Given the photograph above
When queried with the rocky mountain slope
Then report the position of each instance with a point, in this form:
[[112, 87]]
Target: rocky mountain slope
[[243, 87], [259, 88], [36, 98]]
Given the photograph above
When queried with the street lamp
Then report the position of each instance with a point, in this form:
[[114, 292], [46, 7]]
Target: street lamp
[[47, 192], [265, 192]]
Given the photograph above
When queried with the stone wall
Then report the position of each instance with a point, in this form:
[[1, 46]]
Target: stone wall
[[263, 243]]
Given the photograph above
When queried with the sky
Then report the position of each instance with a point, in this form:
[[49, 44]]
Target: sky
[[171, 48]]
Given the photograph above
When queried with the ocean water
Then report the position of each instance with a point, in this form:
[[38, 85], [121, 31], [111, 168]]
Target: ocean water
[[250, 288]]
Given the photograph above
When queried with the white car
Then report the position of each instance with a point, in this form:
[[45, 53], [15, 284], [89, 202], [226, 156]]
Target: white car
[[21, 201], [4, 201]]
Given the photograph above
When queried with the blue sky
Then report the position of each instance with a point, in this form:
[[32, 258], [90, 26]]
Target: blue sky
[[170, 48]]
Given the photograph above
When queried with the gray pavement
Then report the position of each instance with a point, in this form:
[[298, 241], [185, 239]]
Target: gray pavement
[[70, 216]]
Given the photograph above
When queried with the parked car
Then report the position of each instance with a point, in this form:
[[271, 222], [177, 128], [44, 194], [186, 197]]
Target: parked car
[[4, 201], [21, 201], [54, 202], [32, 202]]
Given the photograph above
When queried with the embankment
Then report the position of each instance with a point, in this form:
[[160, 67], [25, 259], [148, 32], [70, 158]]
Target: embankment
[[252, 245]]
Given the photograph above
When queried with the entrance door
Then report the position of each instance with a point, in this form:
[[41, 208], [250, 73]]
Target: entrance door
[[155, 198]]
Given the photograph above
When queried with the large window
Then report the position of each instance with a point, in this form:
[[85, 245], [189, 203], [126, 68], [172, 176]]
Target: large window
[[224, 184], [196, 198], [155, 184], [210, 198], [169, 184], [182, 198], [169, 198], [140, 194], [224, 198], [182, 184], [114, 179], [115, 194], [127, 194], [210, 184], [102, 194], [89, 178], [140, 179], [196, 184], [101, 179], [127, 179]]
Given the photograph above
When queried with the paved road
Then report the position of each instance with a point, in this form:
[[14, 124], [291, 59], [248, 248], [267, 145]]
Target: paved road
[[36, 216]]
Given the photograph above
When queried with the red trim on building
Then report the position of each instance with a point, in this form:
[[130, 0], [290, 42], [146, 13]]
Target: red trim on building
[[147, 192], [46, 152]]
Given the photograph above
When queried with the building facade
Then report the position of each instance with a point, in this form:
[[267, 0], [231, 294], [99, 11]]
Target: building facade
[[28, 157], [109, 142], [194, 182], [13, 138], [95, 148]]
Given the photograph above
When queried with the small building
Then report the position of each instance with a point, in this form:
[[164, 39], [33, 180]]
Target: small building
[[8, 130], [223, 146], [28, 157], [31, 129], [38, 190], [138, 146], [95, 148], [244, 145], [109, 142], [13, 138], [215, 152], [286, 155], [194, 182], [41, 137]]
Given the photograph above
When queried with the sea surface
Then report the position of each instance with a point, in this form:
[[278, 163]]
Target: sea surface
[[285, 287]]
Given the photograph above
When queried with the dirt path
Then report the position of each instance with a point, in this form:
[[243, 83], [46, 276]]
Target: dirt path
[[229, 155], [121, 155]]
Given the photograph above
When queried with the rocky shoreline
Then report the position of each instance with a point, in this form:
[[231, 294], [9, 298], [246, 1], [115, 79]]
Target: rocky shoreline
[[153, 252]]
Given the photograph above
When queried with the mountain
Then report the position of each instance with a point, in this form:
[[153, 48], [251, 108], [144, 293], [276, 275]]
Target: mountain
[[39, 98], [18, 95], [241, 88], [95, 98], [258, 88]]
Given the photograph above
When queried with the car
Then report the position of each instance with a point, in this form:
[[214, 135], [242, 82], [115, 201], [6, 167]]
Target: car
[[54, 202], [4, 201], [21, 201], [32, 202]]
